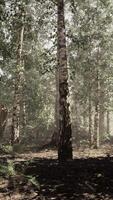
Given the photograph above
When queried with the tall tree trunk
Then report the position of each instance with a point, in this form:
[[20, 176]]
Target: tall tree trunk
[[3, 119], [101, 122], [65, 131], [96, 128], [77, 122], [96, 117], [108, 122], [84, 116], [23, 102], [91, 135], [90, 109], [15, 134], [23, 116], [101, 111], [55, 136]]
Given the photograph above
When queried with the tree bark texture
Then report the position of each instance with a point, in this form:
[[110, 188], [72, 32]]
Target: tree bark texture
[[96, 117], [15, 134], [3, 119], [65, 131]]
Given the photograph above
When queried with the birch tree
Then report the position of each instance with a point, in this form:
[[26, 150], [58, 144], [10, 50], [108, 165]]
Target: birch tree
[[65, 131]]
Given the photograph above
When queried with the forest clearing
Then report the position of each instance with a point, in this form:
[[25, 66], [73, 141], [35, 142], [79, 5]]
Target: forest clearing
[[56, 99]]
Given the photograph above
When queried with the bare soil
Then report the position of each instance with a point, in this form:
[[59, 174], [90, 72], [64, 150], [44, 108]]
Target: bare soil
[[89, 176]]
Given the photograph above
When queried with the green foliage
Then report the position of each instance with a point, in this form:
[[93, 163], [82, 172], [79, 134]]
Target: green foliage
[[7, 149], [11, 169], [33, 181], [7, 170]]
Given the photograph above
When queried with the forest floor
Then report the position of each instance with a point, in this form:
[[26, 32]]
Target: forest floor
[[39, 176]]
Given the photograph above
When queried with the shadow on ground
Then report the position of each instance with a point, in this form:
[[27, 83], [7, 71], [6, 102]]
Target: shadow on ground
[[83, 179]]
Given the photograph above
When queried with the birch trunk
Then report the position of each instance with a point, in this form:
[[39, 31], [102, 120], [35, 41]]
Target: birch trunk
[[91, 135], [96, 117], [108, 122], [15, 134], [3, 119], [65, 131]]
